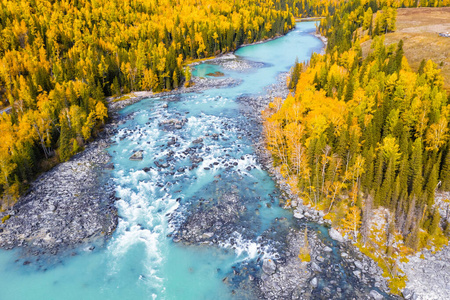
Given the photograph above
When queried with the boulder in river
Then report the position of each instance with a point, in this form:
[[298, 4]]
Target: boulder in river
[[335, 235], [298, 215], [375, 295], [138, 155]]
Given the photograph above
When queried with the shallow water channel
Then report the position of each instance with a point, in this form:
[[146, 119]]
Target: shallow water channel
[[206, 164]]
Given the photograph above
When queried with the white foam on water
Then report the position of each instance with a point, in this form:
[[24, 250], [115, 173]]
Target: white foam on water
[[145, 207], [247, 249], [204, 123], [135, 179], [142, 221]]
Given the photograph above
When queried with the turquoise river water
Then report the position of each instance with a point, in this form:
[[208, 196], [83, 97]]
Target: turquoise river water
[[141, 261]]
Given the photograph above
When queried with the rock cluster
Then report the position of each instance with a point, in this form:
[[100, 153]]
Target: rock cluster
[[70, 205], [213, 221], [288, 277], [294, 279], [327, 276], [240, 65], [428, 275]]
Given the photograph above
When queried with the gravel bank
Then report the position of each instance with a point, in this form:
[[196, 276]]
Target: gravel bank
[[74, 203], [70, 205]]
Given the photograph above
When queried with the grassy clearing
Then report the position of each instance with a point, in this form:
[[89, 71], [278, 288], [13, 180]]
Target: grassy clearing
[[124, 97], [419, 29], [197, 60]]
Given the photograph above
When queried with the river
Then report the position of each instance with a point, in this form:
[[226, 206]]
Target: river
[[199, 161]]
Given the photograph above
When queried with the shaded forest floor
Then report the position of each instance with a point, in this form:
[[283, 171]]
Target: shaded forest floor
[[419, 29]]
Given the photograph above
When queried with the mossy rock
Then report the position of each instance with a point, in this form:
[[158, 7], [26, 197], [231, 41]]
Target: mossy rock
[[5, 218]]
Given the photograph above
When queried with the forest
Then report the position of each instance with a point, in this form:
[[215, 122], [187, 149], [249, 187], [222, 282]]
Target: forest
[[359, 137], [60, 59], [366, 139]]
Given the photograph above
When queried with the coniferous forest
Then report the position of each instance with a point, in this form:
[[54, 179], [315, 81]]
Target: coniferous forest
[[362, 136], [59, 59]]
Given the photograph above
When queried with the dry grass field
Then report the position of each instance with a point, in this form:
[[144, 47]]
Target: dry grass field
[[419, 29]]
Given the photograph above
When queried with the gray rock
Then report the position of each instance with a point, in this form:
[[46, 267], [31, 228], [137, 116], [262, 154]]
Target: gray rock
[[315, 267], [359, 265], [269, 267], [375, 295], [335, 235], [314, 282], [138, 155], [408, 294], [197, 141], [207, 235], [327, 249], [298, 215]]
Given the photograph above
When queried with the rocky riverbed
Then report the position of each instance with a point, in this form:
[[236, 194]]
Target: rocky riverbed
[[289, 277], [326, 276], [70, 205], [73, 204], [428, 275], [337, 269]]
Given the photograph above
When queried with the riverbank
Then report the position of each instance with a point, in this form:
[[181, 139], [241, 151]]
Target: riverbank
[[323, 39], [73, 204], [291, 277], [68, 206], [286, 277]]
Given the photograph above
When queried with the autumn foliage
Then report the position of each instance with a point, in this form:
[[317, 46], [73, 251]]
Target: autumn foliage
[[59, 59], [362, 134]]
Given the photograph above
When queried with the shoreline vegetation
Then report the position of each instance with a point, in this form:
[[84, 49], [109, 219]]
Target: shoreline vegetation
[[55, 80], [83, 189], [309, 19], [370, 224], [390, 244]]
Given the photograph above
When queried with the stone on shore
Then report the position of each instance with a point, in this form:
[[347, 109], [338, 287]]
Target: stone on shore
[[269, 267], [314, 282], [335, 235], [66, 207], [375, 295], [298, 215]]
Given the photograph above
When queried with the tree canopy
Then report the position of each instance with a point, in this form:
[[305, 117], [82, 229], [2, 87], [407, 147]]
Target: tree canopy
[[59, 59], [361, 135]]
